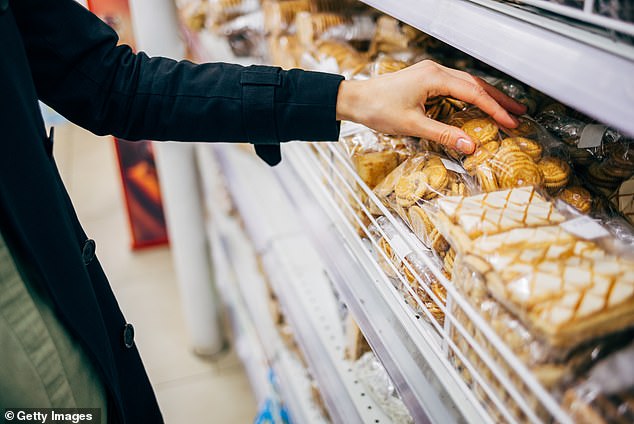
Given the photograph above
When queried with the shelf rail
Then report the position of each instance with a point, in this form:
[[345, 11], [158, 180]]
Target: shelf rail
[[504, 388]]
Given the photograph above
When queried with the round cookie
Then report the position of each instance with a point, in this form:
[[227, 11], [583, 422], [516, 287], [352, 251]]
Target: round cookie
[[410, 188], [486, 178], [555, 172], [481, 156], [577, 197], [481, 130], [437, 177], [421, 224], [526, 145], [520, 174]]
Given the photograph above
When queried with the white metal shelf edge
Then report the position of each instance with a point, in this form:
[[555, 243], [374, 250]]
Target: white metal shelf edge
[[592, 80]]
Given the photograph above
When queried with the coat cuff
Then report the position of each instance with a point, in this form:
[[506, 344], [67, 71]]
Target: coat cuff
[[280, 106]]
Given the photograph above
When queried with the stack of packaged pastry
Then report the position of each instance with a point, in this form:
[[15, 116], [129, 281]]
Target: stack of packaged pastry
[[551, 295]]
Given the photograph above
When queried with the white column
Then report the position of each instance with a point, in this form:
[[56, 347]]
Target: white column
[[156, 32]]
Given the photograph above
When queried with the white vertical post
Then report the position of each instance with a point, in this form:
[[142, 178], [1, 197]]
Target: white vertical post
[[156, 32]]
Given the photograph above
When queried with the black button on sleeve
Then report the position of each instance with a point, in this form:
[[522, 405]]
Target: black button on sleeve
[[88, 251], [128, 336]]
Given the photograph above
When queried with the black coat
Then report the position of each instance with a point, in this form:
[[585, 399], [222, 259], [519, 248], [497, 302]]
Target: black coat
[[58, 52]]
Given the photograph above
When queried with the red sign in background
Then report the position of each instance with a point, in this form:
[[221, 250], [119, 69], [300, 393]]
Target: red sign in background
[[136, 159]]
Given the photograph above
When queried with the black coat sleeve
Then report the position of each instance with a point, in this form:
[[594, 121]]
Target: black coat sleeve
[[80, 71]]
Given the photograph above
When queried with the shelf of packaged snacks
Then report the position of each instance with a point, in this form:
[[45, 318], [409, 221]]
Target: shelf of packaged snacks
[[410, 350], [324, 176], [296, 276], [590, 72], [242, 288]]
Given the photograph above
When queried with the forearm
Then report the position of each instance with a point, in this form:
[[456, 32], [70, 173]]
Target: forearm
[[79, 71]]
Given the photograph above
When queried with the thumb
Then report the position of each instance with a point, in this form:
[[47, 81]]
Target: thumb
[[447, 135]]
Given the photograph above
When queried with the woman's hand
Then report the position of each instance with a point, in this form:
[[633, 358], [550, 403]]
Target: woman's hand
[[395, 103]]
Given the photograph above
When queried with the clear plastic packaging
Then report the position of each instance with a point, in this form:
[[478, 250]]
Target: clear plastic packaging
[[393, 36], [347, 60], [279, 16], [193, 14], [221, 11], [245, 35], [380, 387], [418, 180], [375, 155], [606, 393]]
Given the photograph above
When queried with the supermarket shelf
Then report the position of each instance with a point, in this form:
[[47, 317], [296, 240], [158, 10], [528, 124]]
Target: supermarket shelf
[[585, 70], [296, 274], [429, 386], [331, 179], [243, 290]]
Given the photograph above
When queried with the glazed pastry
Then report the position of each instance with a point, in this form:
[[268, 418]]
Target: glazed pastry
[[492, 213], [567, 290]]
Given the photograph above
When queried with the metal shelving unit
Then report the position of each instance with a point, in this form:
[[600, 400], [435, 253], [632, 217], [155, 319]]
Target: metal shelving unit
[[584, 69], [294, 269], [416, 352]]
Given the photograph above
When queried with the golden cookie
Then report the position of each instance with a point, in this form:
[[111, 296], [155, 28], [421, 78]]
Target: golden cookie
[[528, 146], [481, 130], [438, 242], [556, 173], [486, 178], [420, 223], [577, 197], [518, 174], [411, 188], [437, 176], [481, 156]]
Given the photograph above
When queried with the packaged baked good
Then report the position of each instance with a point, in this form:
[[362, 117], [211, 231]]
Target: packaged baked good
[[245, 35], [393, 36], [221, 11], [347, 59], [375, 155], [561, 283], [606, 393], [311, 26], [381, 389], [193, 14], [507, 158], [279, 16]]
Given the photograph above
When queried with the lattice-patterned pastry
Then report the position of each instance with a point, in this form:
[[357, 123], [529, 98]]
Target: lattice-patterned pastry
[[569, 292], [492, 213]]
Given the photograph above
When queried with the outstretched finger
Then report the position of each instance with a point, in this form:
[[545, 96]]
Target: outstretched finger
[[446, 135], [475, 94], [504, 100]]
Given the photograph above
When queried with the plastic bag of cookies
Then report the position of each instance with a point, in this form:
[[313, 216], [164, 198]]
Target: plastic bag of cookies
[[347, 60], [605, 394], [504, 159], [418, 180], [279, 15], [221, 11], [394, 36]]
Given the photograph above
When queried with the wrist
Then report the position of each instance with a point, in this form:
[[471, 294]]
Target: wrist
[[347, 101]]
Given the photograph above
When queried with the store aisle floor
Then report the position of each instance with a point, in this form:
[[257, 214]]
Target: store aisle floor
[[190, 389]]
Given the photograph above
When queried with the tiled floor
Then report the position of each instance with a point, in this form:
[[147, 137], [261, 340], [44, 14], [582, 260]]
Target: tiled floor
[[190, 389]]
